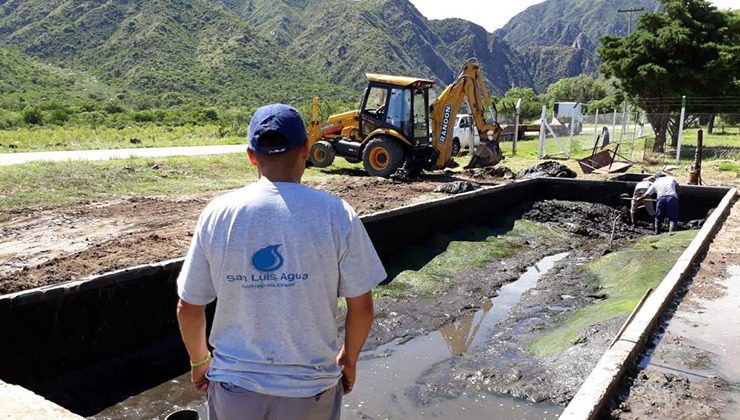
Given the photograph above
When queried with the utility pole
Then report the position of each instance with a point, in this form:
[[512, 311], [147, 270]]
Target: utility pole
[[630, 11], [629, 31]]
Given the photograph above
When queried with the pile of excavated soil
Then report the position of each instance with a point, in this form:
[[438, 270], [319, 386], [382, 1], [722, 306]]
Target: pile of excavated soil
[[500, 172], [547, 169], [585, 219], [457, 187]]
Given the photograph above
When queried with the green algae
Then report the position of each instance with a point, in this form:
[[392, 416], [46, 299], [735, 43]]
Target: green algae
[[431, 268], [623, 276]]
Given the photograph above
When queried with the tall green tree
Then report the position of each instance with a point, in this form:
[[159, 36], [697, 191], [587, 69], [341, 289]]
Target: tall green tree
[[690, 49], [531, 105], [581, 89]]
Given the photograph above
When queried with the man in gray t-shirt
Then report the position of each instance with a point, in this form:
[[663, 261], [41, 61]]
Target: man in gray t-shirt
[[277, 255]]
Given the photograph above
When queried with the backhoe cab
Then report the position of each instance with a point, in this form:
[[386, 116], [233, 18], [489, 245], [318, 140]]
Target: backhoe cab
[[396, 127]]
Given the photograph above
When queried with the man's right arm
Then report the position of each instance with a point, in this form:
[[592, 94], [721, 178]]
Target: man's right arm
[[359, 319], [192, 320]]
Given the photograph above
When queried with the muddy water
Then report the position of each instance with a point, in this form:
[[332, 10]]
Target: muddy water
[[388, 377], [701, 329]]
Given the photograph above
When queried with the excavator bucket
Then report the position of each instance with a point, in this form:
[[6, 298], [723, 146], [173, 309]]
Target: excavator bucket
[[488, 153]]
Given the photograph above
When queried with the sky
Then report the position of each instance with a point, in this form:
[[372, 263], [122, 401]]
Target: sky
[[493, 15]]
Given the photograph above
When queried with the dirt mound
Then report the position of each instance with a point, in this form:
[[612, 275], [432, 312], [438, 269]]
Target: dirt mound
[[490, 172], [457, 187], [585, 219], [547, 169]]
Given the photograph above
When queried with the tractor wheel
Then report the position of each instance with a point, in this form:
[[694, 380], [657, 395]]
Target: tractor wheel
[[322, 154], [382, 156], [455, 147]]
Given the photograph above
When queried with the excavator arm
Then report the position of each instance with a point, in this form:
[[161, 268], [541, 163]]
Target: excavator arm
[[471, 86]]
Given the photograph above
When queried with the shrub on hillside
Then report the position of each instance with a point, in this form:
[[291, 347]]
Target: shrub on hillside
[[33, 116]]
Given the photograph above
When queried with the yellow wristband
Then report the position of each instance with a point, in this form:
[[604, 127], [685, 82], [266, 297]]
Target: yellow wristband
[[201, 362]]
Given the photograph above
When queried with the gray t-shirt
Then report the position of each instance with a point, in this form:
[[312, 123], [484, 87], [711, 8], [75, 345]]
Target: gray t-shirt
[[277, 256], [664, 186]]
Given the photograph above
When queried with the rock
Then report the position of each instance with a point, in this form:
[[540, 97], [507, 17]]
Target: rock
[[135, 141], [513, 375], [457, 187], [548, 169]]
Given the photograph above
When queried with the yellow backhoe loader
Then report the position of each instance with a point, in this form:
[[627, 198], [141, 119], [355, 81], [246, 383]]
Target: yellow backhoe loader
[[395, 128]]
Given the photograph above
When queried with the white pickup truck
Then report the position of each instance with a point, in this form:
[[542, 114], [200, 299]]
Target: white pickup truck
[[465, 134]]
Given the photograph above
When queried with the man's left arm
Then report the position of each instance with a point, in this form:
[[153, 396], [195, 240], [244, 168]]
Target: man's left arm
[[360, 269], [359, 319]]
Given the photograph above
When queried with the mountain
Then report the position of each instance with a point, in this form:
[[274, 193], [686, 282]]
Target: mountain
[[561, 22], [346, 39], [559, 38], [170, 51], [501, 65], [26, 80], [165, 53]]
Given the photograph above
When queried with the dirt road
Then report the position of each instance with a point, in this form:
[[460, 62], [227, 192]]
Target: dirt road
[[107, 154]]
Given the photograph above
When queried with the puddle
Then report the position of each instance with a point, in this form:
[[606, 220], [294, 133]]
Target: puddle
[[388, 377], [701, 330]]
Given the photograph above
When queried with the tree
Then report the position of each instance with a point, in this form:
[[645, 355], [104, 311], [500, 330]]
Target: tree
[[531, 105], [691, 49], [580, 89]]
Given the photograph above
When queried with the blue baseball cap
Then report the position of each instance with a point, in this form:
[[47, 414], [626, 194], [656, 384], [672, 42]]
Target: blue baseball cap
[[280, 119]]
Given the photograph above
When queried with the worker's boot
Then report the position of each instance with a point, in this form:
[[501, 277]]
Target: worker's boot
[[656, 225], [672, 227]]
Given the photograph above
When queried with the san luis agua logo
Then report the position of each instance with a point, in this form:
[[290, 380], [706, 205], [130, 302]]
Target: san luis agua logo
[[268, 259]]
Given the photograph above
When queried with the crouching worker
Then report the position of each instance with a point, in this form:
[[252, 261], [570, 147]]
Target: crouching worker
[[276, 255], [666, 188], [640, 189]]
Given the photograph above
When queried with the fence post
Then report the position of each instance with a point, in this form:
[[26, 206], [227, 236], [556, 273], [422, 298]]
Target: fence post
[[543, 125], [624, 121], [572, 123], [516, 125], [614, 124], [596, 126], [680, 130]]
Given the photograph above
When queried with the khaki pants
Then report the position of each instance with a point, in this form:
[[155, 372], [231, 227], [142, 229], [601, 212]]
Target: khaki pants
[[230, 402]]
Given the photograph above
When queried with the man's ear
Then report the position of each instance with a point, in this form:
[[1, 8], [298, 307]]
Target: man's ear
[[252, 156], [305, 150]]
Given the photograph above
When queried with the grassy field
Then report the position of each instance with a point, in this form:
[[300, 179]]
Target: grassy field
[[54, 184], [45, 184]]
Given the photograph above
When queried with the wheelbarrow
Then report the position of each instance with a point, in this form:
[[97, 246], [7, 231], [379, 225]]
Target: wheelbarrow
[[603, 162]]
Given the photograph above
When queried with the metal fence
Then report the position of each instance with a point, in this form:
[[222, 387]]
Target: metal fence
[[634, 135], [592, 132], [720, 132]]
